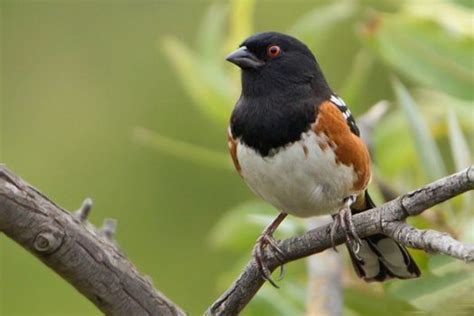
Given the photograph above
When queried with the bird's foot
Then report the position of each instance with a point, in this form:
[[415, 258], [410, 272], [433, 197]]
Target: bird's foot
[[344, 219], [267, 239]]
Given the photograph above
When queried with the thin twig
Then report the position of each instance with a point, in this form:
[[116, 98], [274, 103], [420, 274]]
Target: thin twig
[[429, 240], [83, 212], [109, 228], [95, 266]]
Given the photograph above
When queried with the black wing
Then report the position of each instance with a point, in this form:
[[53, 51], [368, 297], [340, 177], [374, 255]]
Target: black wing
[[341, 105]]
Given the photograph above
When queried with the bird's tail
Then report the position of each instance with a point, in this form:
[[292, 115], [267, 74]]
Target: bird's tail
[[381, 258]]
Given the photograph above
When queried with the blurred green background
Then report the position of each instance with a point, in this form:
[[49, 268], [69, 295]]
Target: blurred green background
[[127, 102]]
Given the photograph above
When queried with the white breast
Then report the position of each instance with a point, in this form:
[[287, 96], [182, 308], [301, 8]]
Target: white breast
[[298, 181]]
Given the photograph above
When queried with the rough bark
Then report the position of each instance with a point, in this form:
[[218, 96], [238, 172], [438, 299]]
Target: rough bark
[[383, 219], [83, 256], [90, 261]]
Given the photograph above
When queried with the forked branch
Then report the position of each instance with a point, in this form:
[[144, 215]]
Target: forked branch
[[90, 261], [387, 218]]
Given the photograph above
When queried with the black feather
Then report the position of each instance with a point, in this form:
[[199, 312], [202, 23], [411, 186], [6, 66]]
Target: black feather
[[279, 100], [375, 252]]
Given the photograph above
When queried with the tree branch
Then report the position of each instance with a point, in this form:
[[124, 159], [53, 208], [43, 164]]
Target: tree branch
[[429, 240], [84, 257], [383, 219], [93, 264]]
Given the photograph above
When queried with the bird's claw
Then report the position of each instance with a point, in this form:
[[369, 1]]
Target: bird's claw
[[267, 239], [344, 219]]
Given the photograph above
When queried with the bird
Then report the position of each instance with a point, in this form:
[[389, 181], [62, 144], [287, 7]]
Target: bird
[[297, 146]]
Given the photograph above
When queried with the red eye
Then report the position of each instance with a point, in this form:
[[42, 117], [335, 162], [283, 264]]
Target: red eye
[[273, 51]]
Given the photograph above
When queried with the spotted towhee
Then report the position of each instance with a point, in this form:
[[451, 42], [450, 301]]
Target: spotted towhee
[[297, 146]]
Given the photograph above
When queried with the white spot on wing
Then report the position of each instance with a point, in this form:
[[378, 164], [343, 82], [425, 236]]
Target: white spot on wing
[[342, 107], [337, 101]]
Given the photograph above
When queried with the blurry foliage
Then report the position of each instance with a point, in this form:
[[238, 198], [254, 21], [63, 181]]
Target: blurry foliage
[[428, 135]]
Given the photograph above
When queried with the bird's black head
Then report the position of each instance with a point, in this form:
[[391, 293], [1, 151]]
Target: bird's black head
[[274, 62]]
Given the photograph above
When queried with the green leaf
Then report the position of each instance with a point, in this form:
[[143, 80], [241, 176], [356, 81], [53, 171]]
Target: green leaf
[[441, 265], [466, 3], [271, 301], [234, 231], [204, 80], [462, 159], [467, 234], [241, 21], [239, 227], [431, 292], [357, 77], [363, 303], [426, 52], [453, 17], [438, 105], [211, 32], [180, 149], [459, 146], [313, 27], [395, 153], [425, 144]]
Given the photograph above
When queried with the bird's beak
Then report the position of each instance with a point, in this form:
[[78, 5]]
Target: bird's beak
[[243, 58]]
